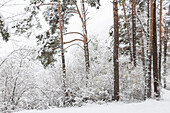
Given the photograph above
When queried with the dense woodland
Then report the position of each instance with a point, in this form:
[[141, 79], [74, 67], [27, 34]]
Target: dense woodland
[[132, 65]]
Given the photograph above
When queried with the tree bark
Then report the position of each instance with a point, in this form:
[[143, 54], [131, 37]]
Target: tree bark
[[143, 53], [86, 49], [165, 54], [150, 51], [116, 46], [134, 30], [148, 75], [160, 42], [165, 50], [62, 50], [155, 54]]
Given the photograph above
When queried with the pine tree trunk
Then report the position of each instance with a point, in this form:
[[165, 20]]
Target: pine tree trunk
[[127, 26], [165, 53], [148, 75], [155, 54], [116, 46], [86, 49], [150, 51], [160, 41], [134, 30], [143, 53], [86, 53], [165, 50], [62, 50]]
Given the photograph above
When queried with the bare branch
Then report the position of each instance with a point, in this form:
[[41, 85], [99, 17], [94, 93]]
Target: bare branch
[[5, 3], [74, 33], [70, 42], [73, 45], [78, 12], [10, 55], [52, 3], [14, 16], [73, 41]]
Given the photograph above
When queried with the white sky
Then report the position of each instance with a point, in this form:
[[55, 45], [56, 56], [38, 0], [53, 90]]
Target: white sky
[[99, 21]]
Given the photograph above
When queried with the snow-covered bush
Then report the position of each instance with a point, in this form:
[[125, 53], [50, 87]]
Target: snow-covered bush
[[17, 78], [99, 84], [131, 82]]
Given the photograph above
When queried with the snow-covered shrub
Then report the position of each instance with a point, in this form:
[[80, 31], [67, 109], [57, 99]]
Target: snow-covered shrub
[[131, 82], [17, 80], [99, 84]]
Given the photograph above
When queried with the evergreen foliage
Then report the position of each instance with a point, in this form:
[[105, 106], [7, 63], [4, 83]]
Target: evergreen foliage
[[4, 29]]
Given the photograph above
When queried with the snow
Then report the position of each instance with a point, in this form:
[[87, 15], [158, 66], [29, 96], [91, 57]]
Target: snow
[[98, 25], [149, 106]]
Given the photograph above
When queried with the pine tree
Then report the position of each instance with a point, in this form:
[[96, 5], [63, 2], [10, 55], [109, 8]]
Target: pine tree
[[134, 30], [115, 55], [62, 50], [148, 75], [155, 55], [165, 54], [150, 51], [160, 41]]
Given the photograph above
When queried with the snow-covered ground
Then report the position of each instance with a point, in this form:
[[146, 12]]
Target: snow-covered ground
[[149, 106]]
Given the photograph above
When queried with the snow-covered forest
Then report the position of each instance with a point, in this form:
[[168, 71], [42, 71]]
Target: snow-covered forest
[[84, 56]]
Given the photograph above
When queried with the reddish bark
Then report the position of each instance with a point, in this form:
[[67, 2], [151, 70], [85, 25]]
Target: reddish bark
[[160, 41], [134, 30], [116, 46]]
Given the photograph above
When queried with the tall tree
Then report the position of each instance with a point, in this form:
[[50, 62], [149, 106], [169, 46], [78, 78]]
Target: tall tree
[[165, 54], [155, 54], [160, 41], [134, 30], [116, 47], [61, 47], [148, 76], [166, 31], [150, 51], [86, 49]]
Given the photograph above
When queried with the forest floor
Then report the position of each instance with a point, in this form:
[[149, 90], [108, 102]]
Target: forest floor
[[149, 106]]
